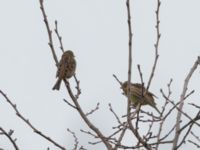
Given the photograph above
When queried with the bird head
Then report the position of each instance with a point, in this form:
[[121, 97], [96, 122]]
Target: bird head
[[68, 53], [124, 87]]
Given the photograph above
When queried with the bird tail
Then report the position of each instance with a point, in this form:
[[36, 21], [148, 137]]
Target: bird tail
[[57, 85]]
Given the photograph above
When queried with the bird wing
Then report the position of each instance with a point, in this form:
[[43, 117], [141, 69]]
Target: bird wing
[[139, 86]]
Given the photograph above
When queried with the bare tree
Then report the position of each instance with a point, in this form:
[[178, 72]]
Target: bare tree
[[135, 117]]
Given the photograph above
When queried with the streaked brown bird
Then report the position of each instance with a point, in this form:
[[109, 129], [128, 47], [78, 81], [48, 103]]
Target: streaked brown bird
[[138, 95], [66, 68]]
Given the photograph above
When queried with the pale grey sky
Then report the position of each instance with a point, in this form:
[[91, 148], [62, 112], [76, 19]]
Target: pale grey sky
[[96, 30]]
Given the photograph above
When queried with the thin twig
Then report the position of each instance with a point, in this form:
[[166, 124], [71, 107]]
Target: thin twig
[[77, 87], [29, 123], [189, 94], [187, 133], [149, 133], [176, 106], [196, 106], [69, 104], [8, 135], [116, 116], [141, 78], [51, 45], [93, 110], [120, 138], [196, 137], [197, 145], [139, 146], [59, 37], [156, 44], [197, 117], [75, 139], [167, 134], [164, 118], [117, 79]]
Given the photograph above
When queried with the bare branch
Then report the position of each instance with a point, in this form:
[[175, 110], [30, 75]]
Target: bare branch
[[196, 137], [134, 131], [187, 133], [141, 76], [84, 117], [116, 116], [77, 87], [75, 139], [59, 37], [169, 132], [69, 104], [196, 106], [190, 124], [189, 94], [29, 123], [130, 40], [197, 145], [51, 45], [129, 60], [8, 135], [197, 117], [175, 106], [156, 44], [130, 34], [93, 110], [139, 146], [120, 138], [164, 118], [117, 79], [182, 97]]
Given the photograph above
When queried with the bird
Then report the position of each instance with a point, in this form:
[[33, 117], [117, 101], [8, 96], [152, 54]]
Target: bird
[[138, 95], [66, 68]]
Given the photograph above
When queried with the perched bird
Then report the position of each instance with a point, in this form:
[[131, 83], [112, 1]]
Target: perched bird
[[138, 95], [66, 68]]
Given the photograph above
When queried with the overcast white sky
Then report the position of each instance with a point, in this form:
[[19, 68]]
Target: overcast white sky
[[96, 30]]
